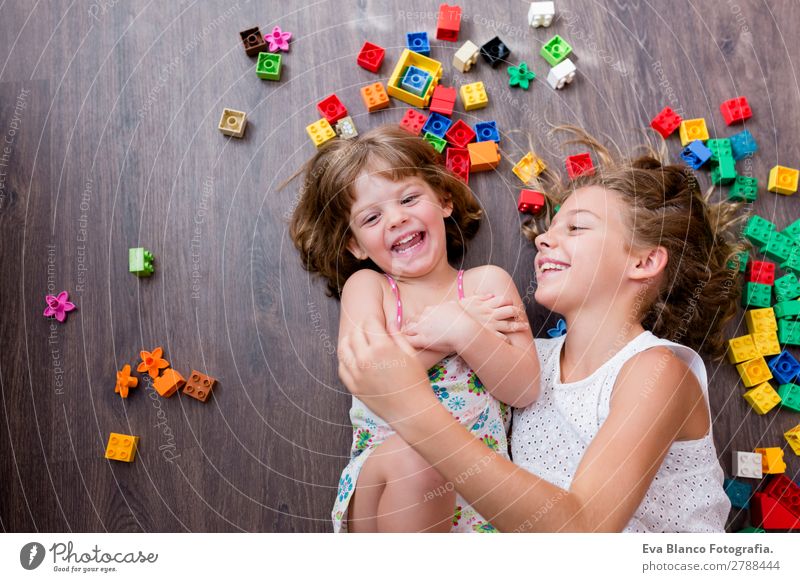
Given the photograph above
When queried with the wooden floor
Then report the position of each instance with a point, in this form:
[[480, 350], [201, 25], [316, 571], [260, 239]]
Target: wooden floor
[[109, 113]]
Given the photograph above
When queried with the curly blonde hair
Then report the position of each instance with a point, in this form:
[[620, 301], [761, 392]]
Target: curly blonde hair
[[320, 224], [698, 292]]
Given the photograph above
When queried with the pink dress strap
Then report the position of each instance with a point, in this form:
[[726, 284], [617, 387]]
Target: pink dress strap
[[393, 285]]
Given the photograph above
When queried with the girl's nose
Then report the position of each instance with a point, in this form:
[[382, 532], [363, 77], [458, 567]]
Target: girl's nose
[[397, 217], [542, 241]]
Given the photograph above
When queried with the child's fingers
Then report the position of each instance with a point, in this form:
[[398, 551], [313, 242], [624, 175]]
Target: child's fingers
[[507, 312], [404, 344], [507, 326]]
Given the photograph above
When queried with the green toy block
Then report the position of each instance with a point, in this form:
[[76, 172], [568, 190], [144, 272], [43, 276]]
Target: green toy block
[[140, 262], [759, 230], [756, 295], [751, 529], [269, 66], [720, 148], [787, 310], [744, 189], [792, 264], [437, 142], [725, 171], [555, 50], [739, 262], [779, 247], [790, 396], [793, 230], [789, 332], [787, 288]]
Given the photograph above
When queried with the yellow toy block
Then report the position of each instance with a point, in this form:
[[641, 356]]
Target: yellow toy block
[[767, 343], [762, 398], [741, 349], [410, 58], [121, 447], [772, 460], [783, 180], [320, 132], [692, 129], [528, 167], [759, 320], [233, 122], [474, 96], [483, 155], [793, 438], [754, 371]]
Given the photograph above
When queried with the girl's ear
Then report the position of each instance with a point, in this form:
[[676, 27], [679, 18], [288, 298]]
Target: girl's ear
[[355, 249], [447, 207], [650, 263]]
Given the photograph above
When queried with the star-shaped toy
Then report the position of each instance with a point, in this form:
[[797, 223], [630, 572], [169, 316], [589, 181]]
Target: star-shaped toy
[[58, 306], [278, 40], [521, 76], [125, 381], [152, 362]]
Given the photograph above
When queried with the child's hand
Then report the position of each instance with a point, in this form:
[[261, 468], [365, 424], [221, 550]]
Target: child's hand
[[493, 312], [441, 328]]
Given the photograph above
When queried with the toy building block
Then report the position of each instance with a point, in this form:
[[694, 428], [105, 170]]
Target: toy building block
[[743, 144], [738, 492], [771, 515], [744, 189], [756, 295], [793, 231], [460, 134], [761, 272], [759, 230], [152, 362], [253, 41], [331, 108], [787, 287], [443, 100], [415, 81], [520, 76], [346, 128], [719, 148], [692, 129], [793, 438], [789, 332], [741, 349], [199, 386], [779, 247], [747, 465], [457, 161], [58, 306], [751, 529], [541, 14], [121, 447], [762, 398], [790, 396], [233, 122], [783, 180], [530, 201], [735, 110], [724, 172], [466, 56], [140, 262], [269, 66], [758, 320], [437, 125], [437, 142], [449, 23], [754, 372], [487, 131], [528, 167], [767, 343], [370, 57], [411, 59], [562, 74], [771, 460], [125, 381], [474, 96], [792, 264], [168, 383], [320, 132], [739, 261], [418, 42], [666, 122], [495, 52], [579, 165], [278, 40], [785, 491], [413, 121], [696, 154], [374, 97], [483, 155], [787, 309], [555, 50]]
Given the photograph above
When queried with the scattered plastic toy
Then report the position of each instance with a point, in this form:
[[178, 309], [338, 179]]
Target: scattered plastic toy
[[559, 330], [125, 381], [152, 362], [278, 40], [521, 76], [58, 306]]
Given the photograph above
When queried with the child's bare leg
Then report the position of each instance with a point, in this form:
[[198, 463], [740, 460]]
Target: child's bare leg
[[397, 491]]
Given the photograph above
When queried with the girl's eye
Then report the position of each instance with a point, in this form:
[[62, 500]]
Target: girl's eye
[[370, 219], [409, 199], [572, 227]]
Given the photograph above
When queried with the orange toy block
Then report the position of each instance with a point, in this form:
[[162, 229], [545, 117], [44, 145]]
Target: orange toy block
[[152, 362], [169, 383], [772, 460], [125, 381], [483, 155], [199, 386], [375, 97], [121, 447]]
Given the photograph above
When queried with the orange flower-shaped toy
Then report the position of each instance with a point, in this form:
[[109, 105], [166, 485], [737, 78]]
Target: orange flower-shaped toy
[[152, 362], [125, 381]]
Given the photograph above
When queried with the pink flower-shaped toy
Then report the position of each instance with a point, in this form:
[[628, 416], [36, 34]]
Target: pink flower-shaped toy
[[58, 306], [278, 40]]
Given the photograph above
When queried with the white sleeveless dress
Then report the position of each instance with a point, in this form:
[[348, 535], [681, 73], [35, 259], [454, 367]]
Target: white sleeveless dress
[[549, 438]]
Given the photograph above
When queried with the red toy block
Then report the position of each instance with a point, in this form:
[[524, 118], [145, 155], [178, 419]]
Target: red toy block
[[457, 161], [332, 109], [761, 272], [371, 57], [737, 109], [460, 134], [449, 23], [413, 121], [579, 165], [530, 201], [443, 100], [784, 491], [769, 514], [666, 122]]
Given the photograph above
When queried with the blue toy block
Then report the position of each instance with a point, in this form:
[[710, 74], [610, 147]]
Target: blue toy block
[[418, 42], [487, 131], [437, 124], [696, 154], [743, 144], [738, 492], [415, 81], [784, 367]]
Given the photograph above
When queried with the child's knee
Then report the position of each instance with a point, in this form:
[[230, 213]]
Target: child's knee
[[410, 468]]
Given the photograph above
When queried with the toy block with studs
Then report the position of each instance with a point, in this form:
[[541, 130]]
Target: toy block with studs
[[140, 262], [487, 131], [253, 41], [346, 128], [793, 438], [412, 59], [739, 261], [779, 247], [528, 167], [724, 172], [579, 165], [743, 144], [754, 372], [759, 230], [437, 142], [787, 287], [121, 447], [541, 14], [199, 386], [762, 398], [474, 96], [232, 122], [737, 109], [555, 50], [789, 332], [483, 155], [437, 125], [448, 25], [331, 108], [787, 310], [495, 52], [413, 121], [771, 460], [374, 97], [741, 349], [738, 492], [443, 100], [268, 66], [758, 320], [125, 381], [771, 515], [719, 148], [756, 295], [696, 154], [692, 129], [793, 231], [466, 56], [168, 383], [761, 272], [370, 57], [744, 189], [418, 42], [785, 491], [320, 132], [562, 74], [747, 465], [666, 122], [792, 264], [457, 161], [790, 396], [530, 201], [460, 134], [767, 343], [415, 81], [783, 180]]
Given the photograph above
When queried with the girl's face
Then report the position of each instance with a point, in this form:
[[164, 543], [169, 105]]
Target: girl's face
[[398, 225]]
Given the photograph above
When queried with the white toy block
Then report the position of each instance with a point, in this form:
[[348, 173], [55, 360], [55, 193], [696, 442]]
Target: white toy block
[[466, 56], [541, 14], [562, 74], [747, 465]]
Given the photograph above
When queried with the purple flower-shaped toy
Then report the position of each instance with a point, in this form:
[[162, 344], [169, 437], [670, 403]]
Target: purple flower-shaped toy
[[278, 40], [58, 306]]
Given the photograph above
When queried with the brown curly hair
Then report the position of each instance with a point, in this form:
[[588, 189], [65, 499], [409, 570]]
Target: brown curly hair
[[698, 292], [320, 224]]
